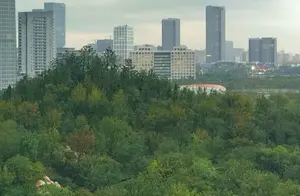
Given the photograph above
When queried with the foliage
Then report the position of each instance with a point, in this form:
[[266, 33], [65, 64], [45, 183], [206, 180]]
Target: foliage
[[100, 128]]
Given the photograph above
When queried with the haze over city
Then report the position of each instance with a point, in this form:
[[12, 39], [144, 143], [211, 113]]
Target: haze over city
[[93, 19]]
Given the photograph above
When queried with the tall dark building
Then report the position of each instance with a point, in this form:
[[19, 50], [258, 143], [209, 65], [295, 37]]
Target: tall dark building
[[254, 50], [268, 50], [263, 50], [215, 34], [170, 33]]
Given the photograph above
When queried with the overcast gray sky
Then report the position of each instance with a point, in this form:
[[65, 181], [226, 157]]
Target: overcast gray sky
[[94, 19]]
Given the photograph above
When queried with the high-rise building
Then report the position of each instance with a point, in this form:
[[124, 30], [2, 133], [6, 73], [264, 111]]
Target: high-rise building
[[268, 50], [36, 42], [8, 49], [229, 56], [215, 34], [254, 50], [59, 14], [123, 42], [263, 50], [170, 33], [103, 44]]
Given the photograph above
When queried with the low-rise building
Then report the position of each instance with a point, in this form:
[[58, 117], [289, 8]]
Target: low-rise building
[[175, 65]]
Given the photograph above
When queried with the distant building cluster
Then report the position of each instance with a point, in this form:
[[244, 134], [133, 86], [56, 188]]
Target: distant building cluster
[[42, 38]]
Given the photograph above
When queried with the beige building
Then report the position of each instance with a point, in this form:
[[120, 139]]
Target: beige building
[[143, 57], [175, 65], [183, 63]]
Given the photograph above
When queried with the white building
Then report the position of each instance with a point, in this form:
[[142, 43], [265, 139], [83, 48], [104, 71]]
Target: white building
[[8, 49], [180, 63], [36, 42], [143, 57], [123, 42], [207, 88], [183, 63]]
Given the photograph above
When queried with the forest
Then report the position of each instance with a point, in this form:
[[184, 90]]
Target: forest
[[92, 127]]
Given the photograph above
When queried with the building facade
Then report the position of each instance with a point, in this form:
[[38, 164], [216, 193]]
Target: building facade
[[229, 53], [103, 44], [62, 52], [254, 50], [183, 63], [123, 42], [268, 50], [170, 33], [8, 49], [215, 34], [143, 57], [263, 50], [162, 64], [59, 15], [180, 63], [36, 42]]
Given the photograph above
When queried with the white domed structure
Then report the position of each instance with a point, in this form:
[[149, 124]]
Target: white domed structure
[[208, 88]]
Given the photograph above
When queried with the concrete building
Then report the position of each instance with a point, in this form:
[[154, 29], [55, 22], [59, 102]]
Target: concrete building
[[123, 42], [215, 34], [102, 44], [180, 63], [229, 56], [36, 42], [170, 33], [61, 52], [8, 49], [162, 64], [59, 15], [183, 63], [143, 57], [254, 50], [268, 50]]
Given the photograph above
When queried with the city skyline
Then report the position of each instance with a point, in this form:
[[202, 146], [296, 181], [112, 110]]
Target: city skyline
[[242, 20]]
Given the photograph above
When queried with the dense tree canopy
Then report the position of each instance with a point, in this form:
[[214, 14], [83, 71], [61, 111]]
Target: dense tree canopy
[[99, 128]]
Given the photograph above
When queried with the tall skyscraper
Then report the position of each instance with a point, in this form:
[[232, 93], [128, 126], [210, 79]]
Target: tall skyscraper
[[229, 53], [268, 50], [59, 14], [254, 50], [123, 42], [170, 33], [36, 41], [215, 34], [263, 50], [8, 49]]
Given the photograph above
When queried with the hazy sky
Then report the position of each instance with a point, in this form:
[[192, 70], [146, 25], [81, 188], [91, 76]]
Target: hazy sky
[[94, 19]]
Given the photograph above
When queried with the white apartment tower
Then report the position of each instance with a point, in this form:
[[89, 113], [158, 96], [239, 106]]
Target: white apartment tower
[[123, 42], [36, 42], [8, 49]]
